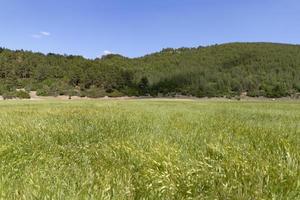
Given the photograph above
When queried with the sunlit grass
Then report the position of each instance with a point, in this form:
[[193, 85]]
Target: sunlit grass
[[149, 150]]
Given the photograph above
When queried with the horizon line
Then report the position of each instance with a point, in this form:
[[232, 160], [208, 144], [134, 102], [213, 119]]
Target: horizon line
[[175, 48]]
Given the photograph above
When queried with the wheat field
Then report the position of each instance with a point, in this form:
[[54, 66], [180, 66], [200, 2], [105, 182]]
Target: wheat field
[[149, 149]]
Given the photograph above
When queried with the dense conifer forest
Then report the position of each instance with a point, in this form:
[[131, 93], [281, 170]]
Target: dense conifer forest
[[255, 69]]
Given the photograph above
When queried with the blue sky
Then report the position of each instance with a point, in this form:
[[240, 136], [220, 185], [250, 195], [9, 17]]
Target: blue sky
[[137, 27]]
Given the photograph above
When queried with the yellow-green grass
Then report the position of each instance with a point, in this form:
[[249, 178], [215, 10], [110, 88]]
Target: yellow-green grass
[[140, 149]]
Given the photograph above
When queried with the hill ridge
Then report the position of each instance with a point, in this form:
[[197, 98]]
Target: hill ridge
[[230, 69]]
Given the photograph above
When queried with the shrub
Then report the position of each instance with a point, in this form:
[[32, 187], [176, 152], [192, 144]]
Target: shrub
[[22, 94], [256, 93], [44, 91], [115, 93], [130, 91], [8, 95], [95, 92]]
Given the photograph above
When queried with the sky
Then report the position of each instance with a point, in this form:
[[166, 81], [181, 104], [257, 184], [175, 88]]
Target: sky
[[134, 28]]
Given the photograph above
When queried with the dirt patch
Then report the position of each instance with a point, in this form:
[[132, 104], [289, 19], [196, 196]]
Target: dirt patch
[[34, 96]]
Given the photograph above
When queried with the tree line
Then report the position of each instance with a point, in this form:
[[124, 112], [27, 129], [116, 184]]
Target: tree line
[[257, 69]]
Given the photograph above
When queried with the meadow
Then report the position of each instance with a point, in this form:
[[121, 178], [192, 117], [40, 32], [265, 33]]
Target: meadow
[[149, 149]]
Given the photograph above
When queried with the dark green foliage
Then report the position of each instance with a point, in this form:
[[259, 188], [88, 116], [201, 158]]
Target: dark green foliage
[[115, 93], [9, 95], [94, 92], [143, 86], [258, 69], [22, 94]]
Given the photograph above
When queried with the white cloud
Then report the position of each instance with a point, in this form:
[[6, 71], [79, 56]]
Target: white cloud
[[44, 33], [106, 52], [41, 34]]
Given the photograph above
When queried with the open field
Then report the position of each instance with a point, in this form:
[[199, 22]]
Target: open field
[[149, 149]]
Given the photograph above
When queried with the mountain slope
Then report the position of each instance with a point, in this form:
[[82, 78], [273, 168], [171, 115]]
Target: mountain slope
[[260, 69]]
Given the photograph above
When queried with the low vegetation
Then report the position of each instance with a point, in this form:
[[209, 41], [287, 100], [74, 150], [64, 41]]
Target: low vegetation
[[20, 94], [149, 150]]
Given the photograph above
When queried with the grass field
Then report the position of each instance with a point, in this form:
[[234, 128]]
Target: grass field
[[143, 149]]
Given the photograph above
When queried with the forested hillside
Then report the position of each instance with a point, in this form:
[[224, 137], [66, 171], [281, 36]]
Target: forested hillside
[[260, 69]]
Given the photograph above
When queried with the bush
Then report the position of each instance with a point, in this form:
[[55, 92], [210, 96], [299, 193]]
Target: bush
[[72, 92], [115, 93], [131, 91], [2, 89], [8, 95], [22, 94], [297, 87], [256, 93], [44, 91], [95, 92], [16, 94], [238, 98]]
